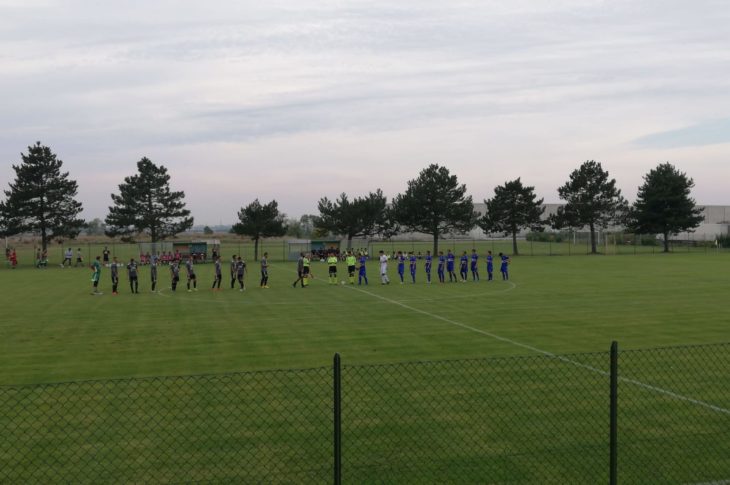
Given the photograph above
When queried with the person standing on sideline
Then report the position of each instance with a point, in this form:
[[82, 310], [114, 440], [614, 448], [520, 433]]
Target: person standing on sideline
[[96, 268], [351, 261], [384, 280], [133, 276], [218, 274], [115, 276], [463, 265], [174, 274], [233, 271], [401, 265], [427, 266], [450, 259], [265, 270], [105, 255], [67, 256], [412, 266], [362, 275], [153, 272], [240, 272], [503, 268], [300, 271], [79, 258], [191, 274], [474, 265], [490, 266], [332, 263]]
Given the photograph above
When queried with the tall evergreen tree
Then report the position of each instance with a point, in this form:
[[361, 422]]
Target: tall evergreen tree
[[514, 207], [259, 221], [663, 205], [361, 217], [41, 200], [434, 203], [591, 200], [146, 205]]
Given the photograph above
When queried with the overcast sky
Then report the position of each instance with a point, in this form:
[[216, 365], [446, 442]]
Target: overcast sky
[[295, 100]]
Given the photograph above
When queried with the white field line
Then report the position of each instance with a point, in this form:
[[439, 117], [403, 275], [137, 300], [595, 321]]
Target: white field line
[[640, 384]]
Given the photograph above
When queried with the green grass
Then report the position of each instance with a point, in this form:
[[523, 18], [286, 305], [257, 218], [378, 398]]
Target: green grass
[[531, 419]]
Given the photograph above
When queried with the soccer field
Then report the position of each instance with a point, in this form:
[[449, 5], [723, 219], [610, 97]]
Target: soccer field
[[534, 419], [54, 330]]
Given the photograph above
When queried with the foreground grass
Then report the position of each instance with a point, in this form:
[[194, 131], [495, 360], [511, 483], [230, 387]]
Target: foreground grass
[[521, 417]]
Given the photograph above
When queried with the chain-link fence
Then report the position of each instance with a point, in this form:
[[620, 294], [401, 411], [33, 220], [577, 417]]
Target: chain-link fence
[[647, 416]]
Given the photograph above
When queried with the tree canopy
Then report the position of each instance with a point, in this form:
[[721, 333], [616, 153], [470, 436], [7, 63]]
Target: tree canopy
[[258, 221], [436, 204], [145, 204], [514, 207], [41, 199], [361, 217], [663, 204], [592, 200]]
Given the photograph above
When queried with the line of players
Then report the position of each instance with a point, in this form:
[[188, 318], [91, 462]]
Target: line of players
[[446, 263]]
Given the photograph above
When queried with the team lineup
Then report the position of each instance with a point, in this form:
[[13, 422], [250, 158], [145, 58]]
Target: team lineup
[[356, 270]]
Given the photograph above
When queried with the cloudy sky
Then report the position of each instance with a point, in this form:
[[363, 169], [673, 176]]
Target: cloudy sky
[[295, 100]]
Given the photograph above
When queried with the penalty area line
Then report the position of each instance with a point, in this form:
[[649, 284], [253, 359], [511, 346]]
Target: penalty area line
[[547, 353]]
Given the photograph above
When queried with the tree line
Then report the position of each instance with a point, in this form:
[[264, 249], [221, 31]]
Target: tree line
[[42, 200]]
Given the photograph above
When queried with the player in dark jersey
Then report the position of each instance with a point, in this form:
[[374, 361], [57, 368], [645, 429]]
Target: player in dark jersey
[[265, 271], [218, 274], [233, 271], [362, 275], [503, 268], [174, 274], [240, 272], [133, 276], [153, 272], [300, 271], [490, 266], [450, 259], [427, 266], [412, 266], [440, 268], [474, 265], [191, 274], [115, 275], [463, 265], [401, 265], [106, 253]]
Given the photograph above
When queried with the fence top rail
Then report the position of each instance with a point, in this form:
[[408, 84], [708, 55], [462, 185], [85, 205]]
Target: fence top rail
[[506, 358]]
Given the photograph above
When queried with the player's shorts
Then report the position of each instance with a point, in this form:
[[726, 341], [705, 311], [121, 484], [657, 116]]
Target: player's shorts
[[305, 271], [79, 260], [191, 276], [350, 269], [333, 269], [132, 278], [106, 258]]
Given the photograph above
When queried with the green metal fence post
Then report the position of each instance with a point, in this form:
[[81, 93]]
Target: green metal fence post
[[613, 440], [337, 415]]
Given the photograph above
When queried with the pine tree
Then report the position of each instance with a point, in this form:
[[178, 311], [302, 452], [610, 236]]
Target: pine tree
[[434, 203], [512, 208], [591, 200], [361, 217], [663, 205], [146, 205], [41, 200], [259, 221]]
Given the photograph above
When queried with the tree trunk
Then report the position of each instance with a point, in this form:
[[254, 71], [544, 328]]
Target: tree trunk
[[349, 242], [593, 239], [256, 249], [153, 238], [435, 244], [514, 243], [666, 242], [44, 238]]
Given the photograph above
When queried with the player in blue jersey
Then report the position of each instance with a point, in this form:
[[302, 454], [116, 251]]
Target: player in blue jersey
[[362, 274], [490, 266], [450, 258], [401, 265], [463, 265], [474, 265], [440, 268], [503, 268], [427, 266], [412, 265]]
